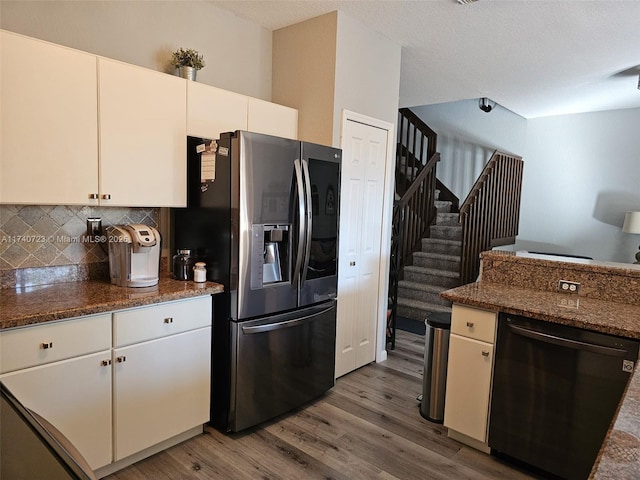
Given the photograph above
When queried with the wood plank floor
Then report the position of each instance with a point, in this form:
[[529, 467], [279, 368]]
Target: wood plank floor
[[367, 427]]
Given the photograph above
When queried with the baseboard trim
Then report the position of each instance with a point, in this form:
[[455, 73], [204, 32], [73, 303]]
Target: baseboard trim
[[472, 442], [136, 457]]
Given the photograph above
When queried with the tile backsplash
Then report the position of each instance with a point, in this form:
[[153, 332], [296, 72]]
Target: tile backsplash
[[34, 236]]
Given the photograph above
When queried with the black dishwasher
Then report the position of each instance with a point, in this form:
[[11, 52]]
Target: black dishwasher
[[555, 392]]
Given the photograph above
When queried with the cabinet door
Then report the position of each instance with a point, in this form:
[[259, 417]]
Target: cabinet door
[[75, 397], [141, 324], [211, 111], [468, 386], [161, 389], [143, 136], [48, 342], [49, 121], [474, 323], [272, 119]]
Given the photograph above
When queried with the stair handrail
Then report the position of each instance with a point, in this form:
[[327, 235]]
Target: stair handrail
[[415, 210], [417, 143], [418, 206], [491, 212], [413, 213]]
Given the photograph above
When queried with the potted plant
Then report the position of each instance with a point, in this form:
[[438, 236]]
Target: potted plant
[[188, 61]]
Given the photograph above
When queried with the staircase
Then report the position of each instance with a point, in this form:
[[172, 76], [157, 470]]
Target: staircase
[[433, 247], [435, 268]]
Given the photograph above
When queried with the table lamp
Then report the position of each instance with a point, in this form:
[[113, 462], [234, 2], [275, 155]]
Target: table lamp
[[632, 225]]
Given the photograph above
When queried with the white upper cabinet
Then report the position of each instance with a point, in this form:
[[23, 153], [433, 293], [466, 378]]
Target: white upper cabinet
[[49, 123], [143, 137], [272, 119], [78, 129], [211, 111]]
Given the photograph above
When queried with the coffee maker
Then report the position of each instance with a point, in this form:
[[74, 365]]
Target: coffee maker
[[134, 255]]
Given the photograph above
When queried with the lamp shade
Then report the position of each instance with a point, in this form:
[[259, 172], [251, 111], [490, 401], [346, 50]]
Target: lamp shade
[[631, 222]]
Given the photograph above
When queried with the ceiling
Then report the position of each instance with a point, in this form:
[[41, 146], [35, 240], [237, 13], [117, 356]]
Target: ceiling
[[535, 58]]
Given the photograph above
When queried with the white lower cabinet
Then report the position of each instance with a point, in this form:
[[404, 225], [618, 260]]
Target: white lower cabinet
[[160, 389], [75, 396], [469, 375], [468, 387], [118, 400]]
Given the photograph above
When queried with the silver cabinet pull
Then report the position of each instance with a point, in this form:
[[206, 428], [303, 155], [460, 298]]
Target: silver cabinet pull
[[470, 324], [105, 363], [485, 353], [106, 196], [46, 345], [93, 196], [168, 320], [121, 359]]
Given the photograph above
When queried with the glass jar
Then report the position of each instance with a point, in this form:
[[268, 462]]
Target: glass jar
[[182, 263], [200, 272]]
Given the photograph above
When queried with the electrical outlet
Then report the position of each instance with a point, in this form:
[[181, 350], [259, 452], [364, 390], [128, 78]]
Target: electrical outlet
[[569, 301], [94, 226], [566, 286]]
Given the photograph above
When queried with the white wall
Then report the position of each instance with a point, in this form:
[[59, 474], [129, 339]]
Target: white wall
[[304, 67], [367, 74], [237, 52], [333, 63], [467, 137], [581, 172]]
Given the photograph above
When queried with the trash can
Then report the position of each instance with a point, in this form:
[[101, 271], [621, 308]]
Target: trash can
[[436, 354]]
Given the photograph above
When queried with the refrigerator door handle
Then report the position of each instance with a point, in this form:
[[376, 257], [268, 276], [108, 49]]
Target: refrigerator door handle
[[301, 223], [309, 220], [286, 324]]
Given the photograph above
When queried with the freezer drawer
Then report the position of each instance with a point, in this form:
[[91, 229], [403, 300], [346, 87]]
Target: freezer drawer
[[281, 362]]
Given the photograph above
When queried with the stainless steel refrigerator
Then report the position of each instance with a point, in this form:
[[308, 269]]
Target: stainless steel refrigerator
[[263, 214]]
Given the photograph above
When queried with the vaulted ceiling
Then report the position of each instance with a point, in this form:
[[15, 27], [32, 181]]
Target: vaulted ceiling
[[533, 57]]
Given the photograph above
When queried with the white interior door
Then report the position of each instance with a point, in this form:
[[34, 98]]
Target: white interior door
[[361, 218]]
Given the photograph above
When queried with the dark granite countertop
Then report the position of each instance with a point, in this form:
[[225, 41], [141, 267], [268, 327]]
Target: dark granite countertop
[[503, 288], [619, 319], [31, 305]]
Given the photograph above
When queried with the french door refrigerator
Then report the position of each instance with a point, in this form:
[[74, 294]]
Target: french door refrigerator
[[262, 212]]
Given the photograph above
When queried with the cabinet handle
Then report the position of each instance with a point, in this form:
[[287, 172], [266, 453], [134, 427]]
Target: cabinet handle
[[121, 359], [470, 324], [93, 196], [105, 363], [106, 196], [485, 353], [168, 320], [46, 345], [352, 264]]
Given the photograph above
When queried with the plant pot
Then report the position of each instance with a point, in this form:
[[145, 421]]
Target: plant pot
[[187, 72]]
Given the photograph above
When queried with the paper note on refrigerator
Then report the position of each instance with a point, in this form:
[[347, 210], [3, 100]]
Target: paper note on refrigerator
[[208, 167]]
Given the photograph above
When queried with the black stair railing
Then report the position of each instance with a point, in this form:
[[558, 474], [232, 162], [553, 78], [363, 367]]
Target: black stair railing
[[413, 213], [417, 143], [490, 214]]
